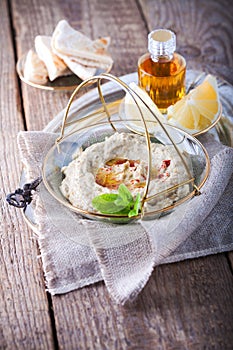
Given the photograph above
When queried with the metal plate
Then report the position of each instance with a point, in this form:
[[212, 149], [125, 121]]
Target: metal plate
[[63, 83]]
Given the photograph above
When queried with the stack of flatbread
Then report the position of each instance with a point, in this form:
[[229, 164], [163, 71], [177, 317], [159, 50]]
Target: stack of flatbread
[[66, 52]]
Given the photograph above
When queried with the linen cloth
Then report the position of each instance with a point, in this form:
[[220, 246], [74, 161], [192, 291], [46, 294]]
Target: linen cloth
[[76, 251]]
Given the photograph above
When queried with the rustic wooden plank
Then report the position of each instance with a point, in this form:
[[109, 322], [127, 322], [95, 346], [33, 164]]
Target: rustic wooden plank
[[182, 305], [25, 321], [87, 16], [230, 255], [203, 29], [186, 305], [31, 19]]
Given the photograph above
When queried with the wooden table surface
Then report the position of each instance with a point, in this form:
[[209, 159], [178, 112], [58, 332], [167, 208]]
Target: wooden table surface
[[185, 305]]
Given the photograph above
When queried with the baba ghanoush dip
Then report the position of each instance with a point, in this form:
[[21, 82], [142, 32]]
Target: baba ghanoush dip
[[123, 158]]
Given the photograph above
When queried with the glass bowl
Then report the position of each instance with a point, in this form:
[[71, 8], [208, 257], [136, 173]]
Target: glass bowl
[[102, 118]]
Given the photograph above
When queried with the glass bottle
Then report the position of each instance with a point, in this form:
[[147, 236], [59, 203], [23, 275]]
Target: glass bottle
[[161, 71]]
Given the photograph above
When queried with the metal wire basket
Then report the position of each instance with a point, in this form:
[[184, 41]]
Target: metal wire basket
[[116, 109]]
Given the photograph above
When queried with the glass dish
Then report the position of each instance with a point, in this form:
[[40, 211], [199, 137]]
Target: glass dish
[[100, 118]]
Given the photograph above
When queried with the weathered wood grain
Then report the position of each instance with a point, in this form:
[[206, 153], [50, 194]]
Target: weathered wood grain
[[230, 255], [31, 18], [93, 18], [24, 321], [203, 29], [187, 305]]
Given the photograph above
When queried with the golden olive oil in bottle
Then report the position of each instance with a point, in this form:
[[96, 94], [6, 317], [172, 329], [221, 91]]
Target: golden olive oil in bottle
[[161, 71]]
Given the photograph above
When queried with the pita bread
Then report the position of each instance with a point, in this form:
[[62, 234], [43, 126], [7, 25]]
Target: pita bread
[[81, 70], [35, 69], [91, 63], [69, 42], [56, 66], [94, 64], [100, 45]]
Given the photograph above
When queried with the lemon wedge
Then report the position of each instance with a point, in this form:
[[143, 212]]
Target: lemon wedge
[[199, 108]]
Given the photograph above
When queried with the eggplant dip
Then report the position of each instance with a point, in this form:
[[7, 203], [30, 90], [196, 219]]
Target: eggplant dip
[[123, 159]]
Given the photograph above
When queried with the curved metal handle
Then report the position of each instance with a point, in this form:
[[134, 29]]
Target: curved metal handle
[[137, 100]]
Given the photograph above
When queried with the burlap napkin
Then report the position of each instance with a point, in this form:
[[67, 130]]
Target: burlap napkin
[[76, 251]]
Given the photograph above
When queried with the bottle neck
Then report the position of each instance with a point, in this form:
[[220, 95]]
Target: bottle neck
[[161, 45]]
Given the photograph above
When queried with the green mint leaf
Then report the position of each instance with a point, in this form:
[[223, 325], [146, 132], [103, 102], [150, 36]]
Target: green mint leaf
[[107, 197], [136, 207], [124, 196], [124, 211], [106, 204], [125, 192], [120, 204]]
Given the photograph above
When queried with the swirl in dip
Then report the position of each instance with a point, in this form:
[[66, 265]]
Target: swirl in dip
[[123, 158]]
